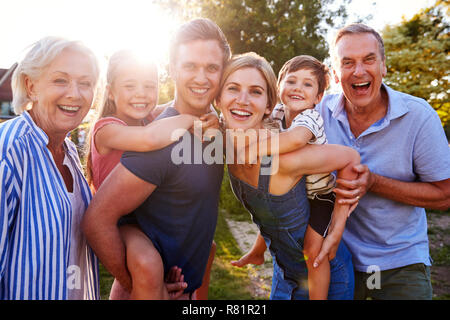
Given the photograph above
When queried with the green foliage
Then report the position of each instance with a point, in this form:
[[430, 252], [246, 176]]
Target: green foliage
[[166, 91], [417, 57], [277, 30]]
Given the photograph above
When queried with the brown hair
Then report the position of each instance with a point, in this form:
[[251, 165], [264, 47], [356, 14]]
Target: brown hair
[[319, 70], [199, 29]]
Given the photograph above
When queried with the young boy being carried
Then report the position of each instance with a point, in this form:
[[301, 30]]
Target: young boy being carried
[[301, 84]]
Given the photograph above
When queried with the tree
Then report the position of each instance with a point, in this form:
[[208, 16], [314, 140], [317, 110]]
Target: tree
[[277, 30], [417, 57]]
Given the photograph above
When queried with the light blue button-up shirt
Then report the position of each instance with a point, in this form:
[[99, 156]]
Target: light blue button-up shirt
[[408, 144], [36, 217]]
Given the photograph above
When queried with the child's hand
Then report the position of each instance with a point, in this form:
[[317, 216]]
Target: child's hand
[[194, 129], [209, 121], [328, 250]]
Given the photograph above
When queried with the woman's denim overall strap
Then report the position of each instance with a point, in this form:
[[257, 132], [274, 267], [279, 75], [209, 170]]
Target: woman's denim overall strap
[[282, 221]]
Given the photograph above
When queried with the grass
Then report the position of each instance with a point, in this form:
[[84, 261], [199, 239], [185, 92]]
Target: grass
[[441, 256], [227, 282], [438, 234], [106, 281]]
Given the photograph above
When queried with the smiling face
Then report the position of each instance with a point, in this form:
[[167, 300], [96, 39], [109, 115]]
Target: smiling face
[[359, 68], [243, 100], [196, 72], [299, 90], [134, 91], [63, 94]]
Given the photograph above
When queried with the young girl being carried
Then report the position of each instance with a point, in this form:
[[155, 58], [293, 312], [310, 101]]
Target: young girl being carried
[[123, 125]]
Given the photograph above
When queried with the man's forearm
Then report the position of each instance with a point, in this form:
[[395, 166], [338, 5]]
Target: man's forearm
[[107, 244], [432, 195]]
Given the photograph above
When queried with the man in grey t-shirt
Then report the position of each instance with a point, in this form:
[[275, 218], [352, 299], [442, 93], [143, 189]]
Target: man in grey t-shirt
[[198, 54]]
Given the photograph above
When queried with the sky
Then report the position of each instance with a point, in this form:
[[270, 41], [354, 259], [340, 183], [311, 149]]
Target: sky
[[110, 25]]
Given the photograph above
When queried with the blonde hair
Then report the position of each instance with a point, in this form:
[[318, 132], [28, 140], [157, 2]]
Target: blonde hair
[[108, 107], [255, 61], [118, 59], [37, 59]]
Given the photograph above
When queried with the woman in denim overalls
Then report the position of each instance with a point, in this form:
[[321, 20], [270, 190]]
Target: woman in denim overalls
[[273, 189]]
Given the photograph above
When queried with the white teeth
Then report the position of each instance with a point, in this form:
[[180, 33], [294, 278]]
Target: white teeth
[[296, 97], [69, 108], [199, 91], [139, 105], [241, 113], [361, 84]]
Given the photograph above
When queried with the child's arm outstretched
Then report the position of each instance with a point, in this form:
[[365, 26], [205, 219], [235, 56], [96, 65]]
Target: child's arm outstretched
[[153, 136], [288, 141], [279, 143]]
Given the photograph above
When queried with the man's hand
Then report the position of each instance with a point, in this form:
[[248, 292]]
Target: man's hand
[[174, 283], [351, 191]]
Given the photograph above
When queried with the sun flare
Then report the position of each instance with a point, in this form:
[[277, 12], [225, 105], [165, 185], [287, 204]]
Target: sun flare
[[104, 25], [138, 26]]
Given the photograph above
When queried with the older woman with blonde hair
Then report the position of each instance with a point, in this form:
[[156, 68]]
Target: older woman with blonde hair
[[43, 194]]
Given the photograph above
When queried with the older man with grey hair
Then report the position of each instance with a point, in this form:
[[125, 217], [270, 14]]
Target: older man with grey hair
[[406, 169]]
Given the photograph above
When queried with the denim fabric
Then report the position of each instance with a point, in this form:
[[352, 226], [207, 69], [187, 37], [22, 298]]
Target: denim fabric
[[282, 221]]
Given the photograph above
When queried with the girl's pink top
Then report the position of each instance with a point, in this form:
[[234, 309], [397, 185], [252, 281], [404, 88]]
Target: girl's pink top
[[103, 164]]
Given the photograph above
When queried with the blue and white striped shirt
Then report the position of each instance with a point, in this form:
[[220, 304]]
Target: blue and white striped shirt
[[36, 215]]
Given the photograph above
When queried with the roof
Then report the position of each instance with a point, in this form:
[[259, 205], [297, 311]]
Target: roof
[[5, 87]]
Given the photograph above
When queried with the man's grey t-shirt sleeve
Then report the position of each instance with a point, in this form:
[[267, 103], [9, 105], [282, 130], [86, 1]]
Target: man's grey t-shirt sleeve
[[151, 166]]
